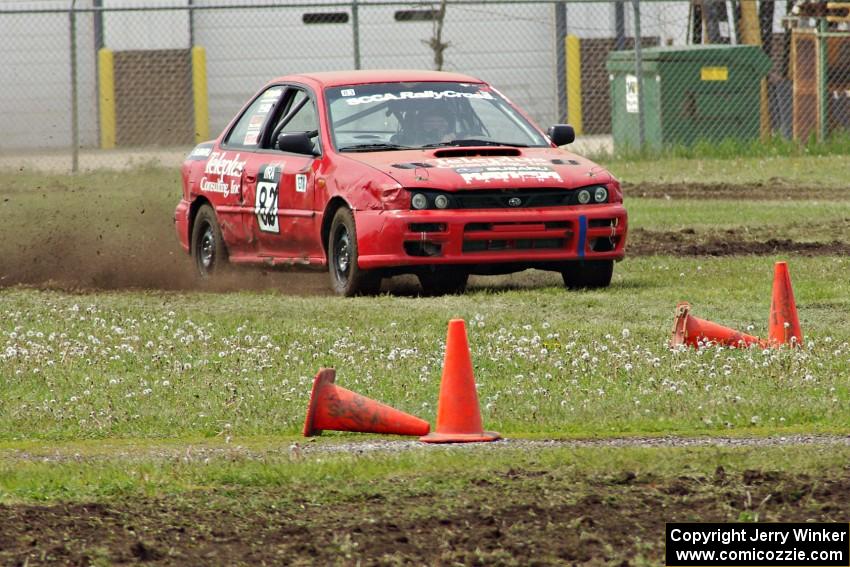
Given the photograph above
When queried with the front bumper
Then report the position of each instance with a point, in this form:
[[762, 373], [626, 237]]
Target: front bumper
[[181, 223], [490, 236]]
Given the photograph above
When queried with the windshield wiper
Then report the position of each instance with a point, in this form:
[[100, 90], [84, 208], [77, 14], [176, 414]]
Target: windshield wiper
[[373, 147], [473, 142]]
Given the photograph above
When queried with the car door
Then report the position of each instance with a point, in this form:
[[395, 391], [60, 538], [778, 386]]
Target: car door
[[241, 149], [282, 183]]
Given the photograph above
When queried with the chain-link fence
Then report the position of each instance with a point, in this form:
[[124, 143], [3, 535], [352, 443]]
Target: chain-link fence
[[102, 74]]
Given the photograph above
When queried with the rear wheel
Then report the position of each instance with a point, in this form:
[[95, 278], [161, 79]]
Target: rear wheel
[[208, 246], [346, 276], [443, 282], [588, 274]]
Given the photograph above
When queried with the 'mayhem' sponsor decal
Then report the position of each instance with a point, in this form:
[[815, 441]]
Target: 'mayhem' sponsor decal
[[435, 95], [508, 173]]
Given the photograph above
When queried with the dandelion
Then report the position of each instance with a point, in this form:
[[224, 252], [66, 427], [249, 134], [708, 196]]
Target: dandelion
[[626, 333]]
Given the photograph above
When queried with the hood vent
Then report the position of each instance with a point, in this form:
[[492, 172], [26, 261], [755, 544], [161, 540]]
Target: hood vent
[[411, 165], [474, 152], [565, 162]]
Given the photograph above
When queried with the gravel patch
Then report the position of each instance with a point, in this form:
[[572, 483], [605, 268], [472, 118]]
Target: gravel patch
[[314, 448]]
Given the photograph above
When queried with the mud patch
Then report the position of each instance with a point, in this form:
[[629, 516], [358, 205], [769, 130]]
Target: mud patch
[[688, 242], [772, 190], [521, 516], [104, 259]]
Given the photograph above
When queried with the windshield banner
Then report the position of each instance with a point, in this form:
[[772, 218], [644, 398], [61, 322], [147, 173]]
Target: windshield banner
[[435, 95]]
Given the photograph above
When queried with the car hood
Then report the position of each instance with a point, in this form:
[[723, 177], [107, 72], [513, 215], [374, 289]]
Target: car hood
[[468, 168]]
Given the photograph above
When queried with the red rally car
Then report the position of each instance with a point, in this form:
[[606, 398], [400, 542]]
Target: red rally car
[[378, 173]]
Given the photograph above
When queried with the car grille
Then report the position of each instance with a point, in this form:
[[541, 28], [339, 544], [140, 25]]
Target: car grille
[[503, 199]]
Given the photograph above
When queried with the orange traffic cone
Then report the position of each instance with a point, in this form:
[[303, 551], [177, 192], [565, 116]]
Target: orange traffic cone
[[783, 326], [690, 330], [333, 407], [458, 414]]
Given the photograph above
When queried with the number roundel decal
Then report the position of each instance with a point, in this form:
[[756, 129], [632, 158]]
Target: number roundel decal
[[265, 199]]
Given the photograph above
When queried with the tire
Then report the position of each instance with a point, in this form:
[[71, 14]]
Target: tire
[[443, 282], [347, 279], [589, 274], [208, 247]]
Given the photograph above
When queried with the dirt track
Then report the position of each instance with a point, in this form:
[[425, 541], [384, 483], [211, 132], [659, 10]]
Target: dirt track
[[772, 190], [687, 242], [508, 517], [312, 448], [141, 251]]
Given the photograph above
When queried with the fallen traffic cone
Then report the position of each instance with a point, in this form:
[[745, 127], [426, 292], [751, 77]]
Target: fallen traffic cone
[[783, 326], [335, 408], [690, 330], [458, 414]]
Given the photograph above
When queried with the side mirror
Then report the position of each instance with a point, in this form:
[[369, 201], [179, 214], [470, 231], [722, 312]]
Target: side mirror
[[562, 134], [296, 143]]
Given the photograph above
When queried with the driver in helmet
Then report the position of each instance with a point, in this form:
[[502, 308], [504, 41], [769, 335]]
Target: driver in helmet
[[435, 126]]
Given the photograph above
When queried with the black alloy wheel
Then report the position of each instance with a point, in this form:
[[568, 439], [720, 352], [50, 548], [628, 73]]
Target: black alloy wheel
[[208, 246], [588, 274], [443, 282], [347, 279]]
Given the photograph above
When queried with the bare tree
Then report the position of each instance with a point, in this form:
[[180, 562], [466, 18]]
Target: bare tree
[[435, 42]]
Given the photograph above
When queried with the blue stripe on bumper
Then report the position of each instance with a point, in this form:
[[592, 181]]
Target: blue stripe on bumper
[[582, 235]]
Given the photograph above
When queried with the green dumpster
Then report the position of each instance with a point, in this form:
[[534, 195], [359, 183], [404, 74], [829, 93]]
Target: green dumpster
[[693, 93]]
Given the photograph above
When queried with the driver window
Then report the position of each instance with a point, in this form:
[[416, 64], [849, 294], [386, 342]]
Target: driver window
[[305, 119], [246, 133]]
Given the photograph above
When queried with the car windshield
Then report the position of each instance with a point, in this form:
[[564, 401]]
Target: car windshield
[[391, 116]]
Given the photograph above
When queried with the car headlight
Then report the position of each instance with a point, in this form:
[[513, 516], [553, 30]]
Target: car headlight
[[600, 195], [441, 201], [419, 201], [584, 196]]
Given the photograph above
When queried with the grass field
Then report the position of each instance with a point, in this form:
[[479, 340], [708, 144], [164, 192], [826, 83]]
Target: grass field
[[149, 421], [548, 362]]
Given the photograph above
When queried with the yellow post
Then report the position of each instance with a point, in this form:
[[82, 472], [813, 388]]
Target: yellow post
[[573, 49], [106, 93], [199, 91], [751, 35]]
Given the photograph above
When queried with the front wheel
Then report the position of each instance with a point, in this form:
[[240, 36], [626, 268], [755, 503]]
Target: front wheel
[[588, 274], [208, 246], [346, 276], [443, 282]]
